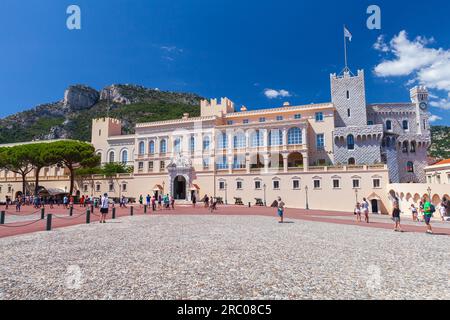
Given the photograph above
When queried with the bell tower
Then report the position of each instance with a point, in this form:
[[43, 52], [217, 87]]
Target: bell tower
[[419, 97]]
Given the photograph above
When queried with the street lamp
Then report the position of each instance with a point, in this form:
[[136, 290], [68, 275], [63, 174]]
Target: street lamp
[[429, 193], [356, 195], [265, 186], [163, 184], [307, 204]]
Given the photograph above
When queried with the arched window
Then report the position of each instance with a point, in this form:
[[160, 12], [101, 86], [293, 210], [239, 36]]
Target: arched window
[[192, 144], [388, 142], [239, 141], [294, 136], [141, 148], [257, 139], [351, 161], [206, 143], [124, 156], [151, 147], [389, 125], [350, 142], [177, 145], [112, 157], [413, 147], [221, 162], [410, 167], [275, 137], [405, 125], [239, 162], [405, 147], [163, 146], [222, 140]]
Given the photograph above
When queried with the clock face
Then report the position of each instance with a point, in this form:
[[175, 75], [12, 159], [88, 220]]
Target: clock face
[[423, 106]]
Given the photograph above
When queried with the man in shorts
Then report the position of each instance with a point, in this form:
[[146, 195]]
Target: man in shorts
[[427, 214], [280, 209]]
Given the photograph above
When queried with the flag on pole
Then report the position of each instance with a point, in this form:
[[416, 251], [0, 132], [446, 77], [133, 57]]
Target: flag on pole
[[347, 34]]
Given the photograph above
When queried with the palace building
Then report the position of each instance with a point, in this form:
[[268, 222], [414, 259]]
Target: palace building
[[319, 156]]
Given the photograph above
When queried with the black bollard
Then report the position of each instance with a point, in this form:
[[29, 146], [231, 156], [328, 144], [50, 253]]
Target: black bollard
[[71, 211], [92, 208], [2, 217], [42, 214], [131, 211], [145, 208], [249, 204], [113, 213], [88, 216], [49, 222]]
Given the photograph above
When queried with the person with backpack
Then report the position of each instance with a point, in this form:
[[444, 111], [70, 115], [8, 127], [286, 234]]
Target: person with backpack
[[428, 210]]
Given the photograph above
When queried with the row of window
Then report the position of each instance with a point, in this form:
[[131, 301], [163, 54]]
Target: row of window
[[318, 116], [296, 185], [111, 187]]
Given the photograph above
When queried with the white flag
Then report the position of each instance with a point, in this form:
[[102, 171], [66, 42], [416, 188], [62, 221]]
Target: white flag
[[347, 34]]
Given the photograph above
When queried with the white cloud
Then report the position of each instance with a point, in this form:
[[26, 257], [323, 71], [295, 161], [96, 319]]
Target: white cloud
[[427, 66], [434, 118], [441, 103], [275, 94], [171, 49]]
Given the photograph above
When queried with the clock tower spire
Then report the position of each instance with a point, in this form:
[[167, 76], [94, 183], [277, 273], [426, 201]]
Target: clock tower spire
[[419, 97]]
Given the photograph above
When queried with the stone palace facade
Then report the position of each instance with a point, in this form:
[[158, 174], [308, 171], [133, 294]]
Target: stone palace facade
[[321, 156]]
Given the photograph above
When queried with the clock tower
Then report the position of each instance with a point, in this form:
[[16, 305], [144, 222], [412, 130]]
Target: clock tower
[[419, 97]]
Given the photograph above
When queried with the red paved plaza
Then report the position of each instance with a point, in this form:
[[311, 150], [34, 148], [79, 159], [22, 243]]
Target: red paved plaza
[[28, 220]]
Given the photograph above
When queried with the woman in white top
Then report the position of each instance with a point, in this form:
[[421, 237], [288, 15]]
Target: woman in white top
[[358, 212], [104, 206], [442, 211]]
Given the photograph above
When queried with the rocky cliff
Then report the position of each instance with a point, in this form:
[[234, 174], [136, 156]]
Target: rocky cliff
[[72, 116]]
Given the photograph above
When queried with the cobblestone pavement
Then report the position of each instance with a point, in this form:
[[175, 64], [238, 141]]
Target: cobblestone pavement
[[223, 257]]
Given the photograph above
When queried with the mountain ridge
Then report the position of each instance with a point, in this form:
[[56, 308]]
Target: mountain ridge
[[71, 117]]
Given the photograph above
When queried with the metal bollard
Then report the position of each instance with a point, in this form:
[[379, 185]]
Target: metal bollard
[[131, 211], [71, 211], [2, 217], [92, 208], [249, 204], [88, 216], [42, 214], [145, 208], [113, 213], [49, 222]]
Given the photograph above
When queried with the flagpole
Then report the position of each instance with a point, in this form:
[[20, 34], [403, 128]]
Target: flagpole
[[345, 50]]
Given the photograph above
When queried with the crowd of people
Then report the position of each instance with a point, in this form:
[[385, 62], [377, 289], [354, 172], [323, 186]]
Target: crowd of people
[[424, 213]]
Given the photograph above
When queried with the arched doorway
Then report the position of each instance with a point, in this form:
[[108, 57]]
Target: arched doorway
[[179, 188]]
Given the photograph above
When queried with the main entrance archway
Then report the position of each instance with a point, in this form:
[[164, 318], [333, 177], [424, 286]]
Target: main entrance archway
[[179, 188]]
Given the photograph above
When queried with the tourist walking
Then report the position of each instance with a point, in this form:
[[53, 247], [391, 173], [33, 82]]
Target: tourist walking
[[153, 203], [442, 211], [194, 200], [160, 202], [206, 200], [396, 217], [172, 202], [365, 209], [18, 204], [415, 213], [280, 209], [104, 208], [141, 201], [427, 214], [358, 212], [65, 202]]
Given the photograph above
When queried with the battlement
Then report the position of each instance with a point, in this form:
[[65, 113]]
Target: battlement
[[347, 74], [102, 128], [419, 94], [213, 108]]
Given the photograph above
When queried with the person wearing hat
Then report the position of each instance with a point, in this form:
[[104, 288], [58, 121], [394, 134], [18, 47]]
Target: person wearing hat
[[280, 209]]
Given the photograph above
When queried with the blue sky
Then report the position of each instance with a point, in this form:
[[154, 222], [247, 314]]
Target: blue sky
[[215, 48]]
